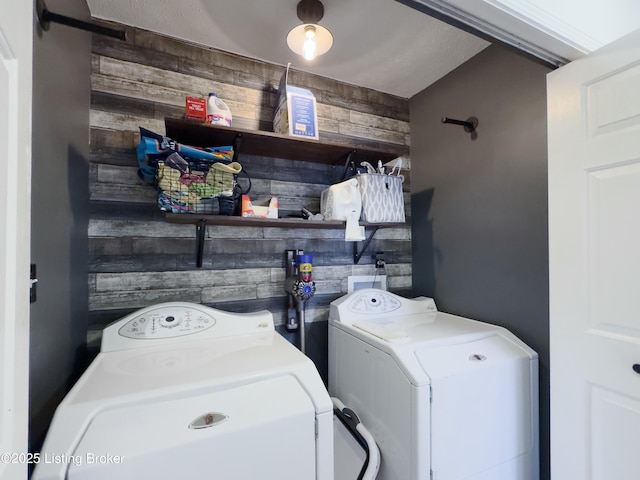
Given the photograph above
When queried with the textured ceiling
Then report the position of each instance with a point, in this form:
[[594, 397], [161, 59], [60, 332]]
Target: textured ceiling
[[378, 44]]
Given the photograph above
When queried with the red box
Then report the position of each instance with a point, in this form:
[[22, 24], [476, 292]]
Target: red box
[[196, 109]]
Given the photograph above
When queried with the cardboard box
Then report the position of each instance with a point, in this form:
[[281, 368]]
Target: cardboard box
[[296, 110], [250, 210], [196, 109]]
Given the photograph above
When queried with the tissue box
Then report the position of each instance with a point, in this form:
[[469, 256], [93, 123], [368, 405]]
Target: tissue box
[[250, 210], [296, 111]]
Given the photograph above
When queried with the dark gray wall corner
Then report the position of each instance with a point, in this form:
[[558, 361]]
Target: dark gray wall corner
[[479, 204], [59, 217]]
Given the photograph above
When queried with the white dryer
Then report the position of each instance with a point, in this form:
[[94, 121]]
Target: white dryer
[[180, 390], [445, 397]]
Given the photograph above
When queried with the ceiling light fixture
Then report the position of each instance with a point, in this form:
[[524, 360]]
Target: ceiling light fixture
[[310, 39]]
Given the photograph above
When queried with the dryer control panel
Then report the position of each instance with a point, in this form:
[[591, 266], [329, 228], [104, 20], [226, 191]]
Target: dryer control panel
[[372, 303], [167, 322]]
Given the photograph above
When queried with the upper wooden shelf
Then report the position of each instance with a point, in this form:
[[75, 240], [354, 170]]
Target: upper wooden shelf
[[270, 144]]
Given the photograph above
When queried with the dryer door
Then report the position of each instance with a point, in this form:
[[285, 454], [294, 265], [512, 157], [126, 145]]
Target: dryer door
[[234, 434]]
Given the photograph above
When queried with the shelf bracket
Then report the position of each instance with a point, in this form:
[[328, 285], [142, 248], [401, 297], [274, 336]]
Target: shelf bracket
[[357, 255], [201, 228], [236, 146], [348, 162]]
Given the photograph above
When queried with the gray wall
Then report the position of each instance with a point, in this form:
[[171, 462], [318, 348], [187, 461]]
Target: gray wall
[[480, 205], [59, 217]]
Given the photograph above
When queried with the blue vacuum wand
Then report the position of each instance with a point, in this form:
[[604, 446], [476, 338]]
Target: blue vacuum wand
[[300, 287]]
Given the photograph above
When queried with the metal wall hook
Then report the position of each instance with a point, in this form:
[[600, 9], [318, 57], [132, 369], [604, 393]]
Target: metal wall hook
[[45, 17], [470, 124]]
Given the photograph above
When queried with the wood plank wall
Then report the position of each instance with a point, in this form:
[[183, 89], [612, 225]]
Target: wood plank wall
[[137, 259]]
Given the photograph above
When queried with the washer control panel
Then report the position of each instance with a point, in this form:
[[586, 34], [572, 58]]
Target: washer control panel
[[167, 322], [374, 302]]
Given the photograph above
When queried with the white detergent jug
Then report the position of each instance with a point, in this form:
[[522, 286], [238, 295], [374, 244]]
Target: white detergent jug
[[217, 111]]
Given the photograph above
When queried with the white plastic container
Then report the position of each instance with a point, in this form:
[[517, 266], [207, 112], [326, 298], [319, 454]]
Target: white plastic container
[[217, 111], [342, 201]]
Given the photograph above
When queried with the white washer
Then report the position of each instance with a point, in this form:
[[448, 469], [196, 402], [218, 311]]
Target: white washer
[[181, 390], [445, 397]]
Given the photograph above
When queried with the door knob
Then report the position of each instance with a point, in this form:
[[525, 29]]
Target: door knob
[[636, 367]]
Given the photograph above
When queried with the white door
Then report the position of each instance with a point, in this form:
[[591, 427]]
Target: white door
[[15, 187], [594, 255]]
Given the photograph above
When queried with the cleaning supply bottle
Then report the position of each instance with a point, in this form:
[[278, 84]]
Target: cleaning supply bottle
[[217, 111]]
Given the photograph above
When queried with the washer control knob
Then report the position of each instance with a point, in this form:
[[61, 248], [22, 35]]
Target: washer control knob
[[170, 321]]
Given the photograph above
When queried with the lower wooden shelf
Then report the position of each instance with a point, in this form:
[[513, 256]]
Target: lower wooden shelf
[[234, 221], [201, 221]]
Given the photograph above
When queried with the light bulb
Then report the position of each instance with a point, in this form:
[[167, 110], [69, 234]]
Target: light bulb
[[309, 40], [309, 48]]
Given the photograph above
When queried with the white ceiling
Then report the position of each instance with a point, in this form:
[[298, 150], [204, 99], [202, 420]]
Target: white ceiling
[[378, 44]]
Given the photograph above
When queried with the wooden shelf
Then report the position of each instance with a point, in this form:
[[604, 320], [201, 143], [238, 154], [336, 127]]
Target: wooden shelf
[[201, 221], [233, 221], [270, 144]]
